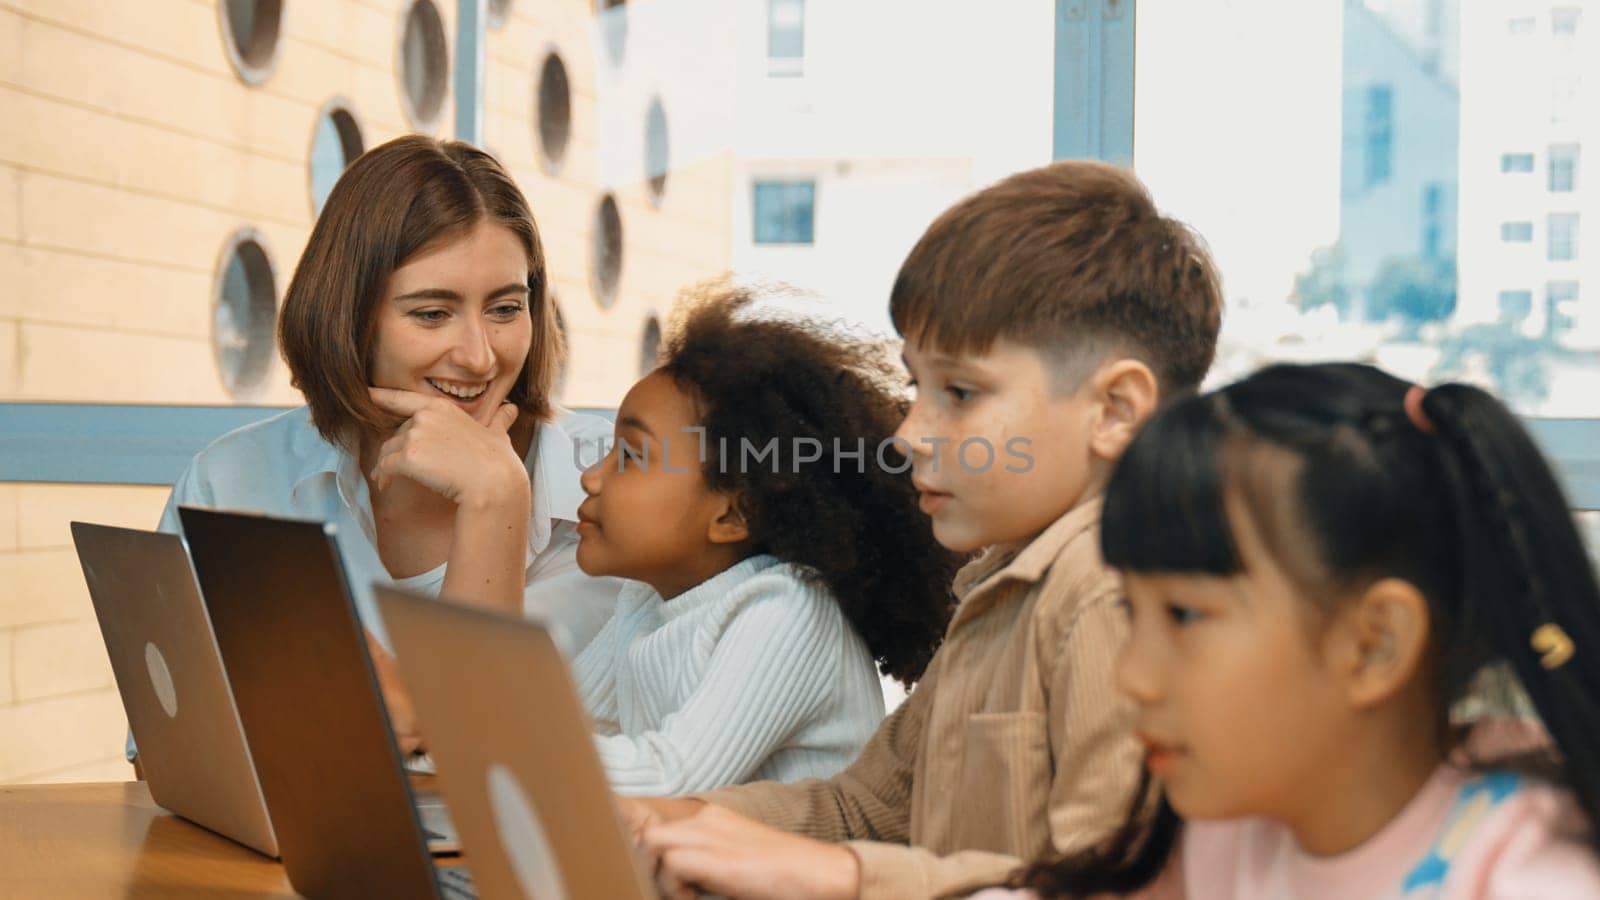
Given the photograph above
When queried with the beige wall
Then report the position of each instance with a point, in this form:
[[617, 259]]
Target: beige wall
[[131, 151]]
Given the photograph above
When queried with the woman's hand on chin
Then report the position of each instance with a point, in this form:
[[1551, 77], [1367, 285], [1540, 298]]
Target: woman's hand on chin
[[443, 448]]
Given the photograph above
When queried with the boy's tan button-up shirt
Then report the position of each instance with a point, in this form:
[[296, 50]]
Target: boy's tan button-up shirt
[[1014, 746]]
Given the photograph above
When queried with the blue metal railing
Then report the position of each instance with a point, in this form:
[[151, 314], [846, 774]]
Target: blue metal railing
[[78, 443]]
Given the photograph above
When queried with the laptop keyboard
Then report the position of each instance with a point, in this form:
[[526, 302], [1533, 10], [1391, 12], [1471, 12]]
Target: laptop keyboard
[[455, 882]]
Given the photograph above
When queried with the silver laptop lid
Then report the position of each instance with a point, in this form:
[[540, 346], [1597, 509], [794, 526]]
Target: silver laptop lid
[[515, 752], [172, 681], [310, 705]]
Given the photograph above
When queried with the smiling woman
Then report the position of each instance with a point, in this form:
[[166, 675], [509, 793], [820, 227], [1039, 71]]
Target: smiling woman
[[420, 330]]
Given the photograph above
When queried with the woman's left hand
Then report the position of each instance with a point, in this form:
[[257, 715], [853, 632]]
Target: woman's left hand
[[718, 851], [446, 450]]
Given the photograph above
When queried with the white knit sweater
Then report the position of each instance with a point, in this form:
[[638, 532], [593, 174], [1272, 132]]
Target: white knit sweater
[[753, 675]]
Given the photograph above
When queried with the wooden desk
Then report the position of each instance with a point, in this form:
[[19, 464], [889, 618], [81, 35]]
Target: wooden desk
[[99, 841]]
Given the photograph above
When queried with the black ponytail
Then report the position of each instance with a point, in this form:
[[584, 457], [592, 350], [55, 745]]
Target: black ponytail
[[1525, 573], [1452, 496]]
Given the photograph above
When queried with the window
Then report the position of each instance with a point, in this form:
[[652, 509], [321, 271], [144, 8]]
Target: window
[[424, 64], [499, 12], [1564, 20], [245, 316], [1433, 224], [649, 346], [334, 145], [606, 252], [1561, 306], [1516, 232], [1563, 168], [1516, 162], [554, 112], [613, 19], [785, 212], [559, 388], [250, 35], [1380, 133], [1515, 305], [1563, 237], [657, 157], [786, 37]]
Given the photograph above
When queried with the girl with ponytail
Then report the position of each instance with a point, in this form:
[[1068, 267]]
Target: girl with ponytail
[[1365, 650]]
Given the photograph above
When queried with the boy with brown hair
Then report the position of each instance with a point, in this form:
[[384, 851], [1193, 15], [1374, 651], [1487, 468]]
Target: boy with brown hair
[[1044, 318]]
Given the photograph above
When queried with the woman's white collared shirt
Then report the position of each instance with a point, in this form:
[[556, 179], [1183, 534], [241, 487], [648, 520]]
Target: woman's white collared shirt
[[283, 467]]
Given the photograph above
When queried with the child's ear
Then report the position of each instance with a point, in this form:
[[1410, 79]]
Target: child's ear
[[1128, 393], [727, 523], [1380, 641]]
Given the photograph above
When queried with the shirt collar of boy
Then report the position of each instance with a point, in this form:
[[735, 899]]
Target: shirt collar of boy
[[1028, 560]]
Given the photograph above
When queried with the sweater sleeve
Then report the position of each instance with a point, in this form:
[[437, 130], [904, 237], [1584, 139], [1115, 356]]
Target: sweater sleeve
[[772, 669], [869, 800], [594, 668]]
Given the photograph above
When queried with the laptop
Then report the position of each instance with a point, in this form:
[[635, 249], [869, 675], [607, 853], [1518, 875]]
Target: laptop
[[172, 681], [348, 825], [515, 752]]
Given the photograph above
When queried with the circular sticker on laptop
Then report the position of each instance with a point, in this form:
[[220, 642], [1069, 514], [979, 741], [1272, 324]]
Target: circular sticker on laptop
[[161, 680], [522, 837]]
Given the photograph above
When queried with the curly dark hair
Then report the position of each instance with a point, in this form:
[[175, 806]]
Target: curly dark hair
[[854, 527]]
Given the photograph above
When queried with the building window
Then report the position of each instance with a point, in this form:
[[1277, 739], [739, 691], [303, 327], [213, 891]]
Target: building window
[[245, 316], [649, 346], [424, 64], [560, 386], [1433, 210], [250, 34], [1564, 20], [785, 212], [786, 37], [613, 19], [1380, 133], [554, 112], [1515, 305], [657, 156], [1563, 168], [1516, 232], [334, 145], [1516, 162], [1520, 25], [499, 13], [605, 269], [1561, 306], [1563, 237]]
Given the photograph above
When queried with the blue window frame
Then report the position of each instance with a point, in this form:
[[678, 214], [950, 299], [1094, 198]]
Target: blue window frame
[[785, 212], [1516, 232]]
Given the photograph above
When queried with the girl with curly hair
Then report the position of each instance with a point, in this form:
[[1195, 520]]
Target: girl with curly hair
[[755, 495]]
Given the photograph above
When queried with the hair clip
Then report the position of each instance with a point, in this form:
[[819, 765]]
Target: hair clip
[[1414, 410], [1553, 645]]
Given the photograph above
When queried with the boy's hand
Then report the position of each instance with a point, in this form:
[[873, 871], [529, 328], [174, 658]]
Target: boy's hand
[[718, 851], [640, 812]]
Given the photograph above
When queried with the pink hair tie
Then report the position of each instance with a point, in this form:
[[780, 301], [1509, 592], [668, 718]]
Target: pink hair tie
[[1414, 410]]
